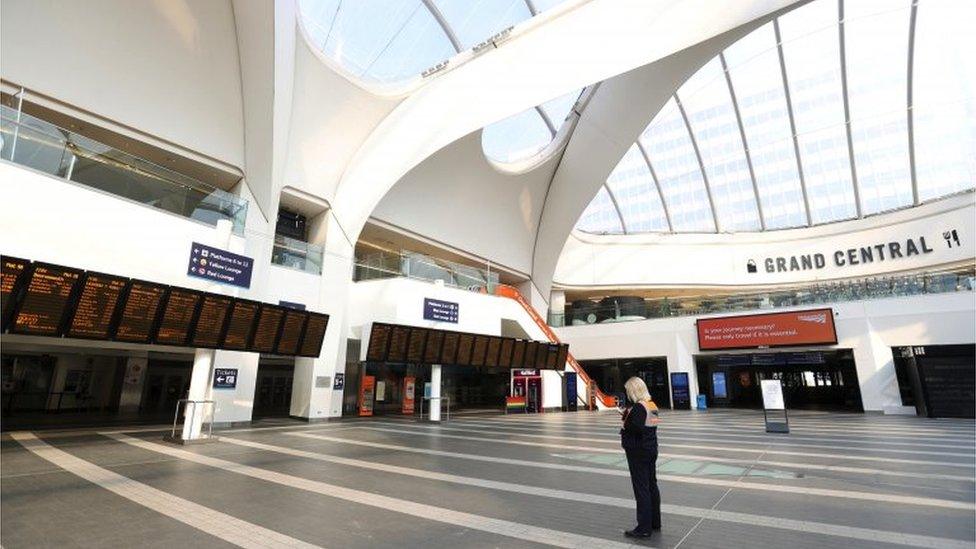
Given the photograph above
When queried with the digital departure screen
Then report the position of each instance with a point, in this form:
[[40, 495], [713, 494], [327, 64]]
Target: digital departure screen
[[142, 304], [518, 353], [450, 347], [505, 355], [465, 343], [432, 353], [478, 350], [291, 332], [415, 348], [270, 318], [562, 357], [314, 334], [531, 354], [178, 312], [552, 353], [379, 338], [13, 274], [97, 303], [398, 344], [214, 311], [491, 357], [243, 315], [45, 302]]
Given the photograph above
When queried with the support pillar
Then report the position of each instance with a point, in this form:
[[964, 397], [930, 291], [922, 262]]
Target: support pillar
[[200, 389], [435, 392]]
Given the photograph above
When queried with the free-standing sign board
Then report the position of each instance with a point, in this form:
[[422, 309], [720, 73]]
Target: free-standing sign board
[[811, 327], [772, 394], [680, 391], [572, 396], [366, 390]]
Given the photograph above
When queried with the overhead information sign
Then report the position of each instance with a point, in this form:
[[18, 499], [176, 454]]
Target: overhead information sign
[[291, 332], [13, 274], [314, 334], [219, 265], [432, 352], [214, 312], [266, 332], [449, 348], [379, 338], [398, 344], [441, 311], [415, 347], [465, 343], [96, 306], [46, 299], [178, 312], [243, 316], [478, 349], [812, 327], [142, 304]]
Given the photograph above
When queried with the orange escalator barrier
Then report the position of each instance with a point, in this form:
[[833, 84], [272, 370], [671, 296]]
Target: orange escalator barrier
[[504, 290]]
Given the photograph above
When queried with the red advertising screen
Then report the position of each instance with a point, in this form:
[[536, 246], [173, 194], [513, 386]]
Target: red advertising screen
[[812, 327]]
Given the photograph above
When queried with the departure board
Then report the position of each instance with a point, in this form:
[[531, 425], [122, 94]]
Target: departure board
[[398, 344], [465, 343], [531, 352], [432, 353], [96, 306], [478, 350], [266, 332], [314, 334], [552, 353], [291, 332], [14, 275], [449, 348], [178, 312], [505, 355], [491, 355], [243, 315], [45, 301], [518, 353], [415, 347], [142, 304], [541, 354], [214, 312], [562, 357], [379, 338]]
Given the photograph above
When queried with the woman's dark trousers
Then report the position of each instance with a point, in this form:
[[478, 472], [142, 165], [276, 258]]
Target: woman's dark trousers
[[643, 474]]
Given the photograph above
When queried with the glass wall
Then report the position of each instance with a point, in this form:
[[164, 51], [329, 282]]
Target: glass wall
[[43, 146], [374, 263]]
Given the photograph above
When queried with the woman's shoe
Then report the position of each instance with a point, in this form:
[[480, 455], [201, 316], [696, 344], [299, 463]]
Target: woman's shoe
[[635, 533]]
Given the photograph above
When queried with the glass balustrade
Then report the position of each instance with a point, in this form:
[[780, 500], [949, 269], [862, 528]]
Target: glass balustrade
[[584, 312], [374, 263], [296, 254], [43, 146]]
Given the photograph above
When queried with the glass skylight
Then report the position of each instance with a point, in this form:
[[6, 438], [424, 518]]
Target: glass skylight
[[818, 116]]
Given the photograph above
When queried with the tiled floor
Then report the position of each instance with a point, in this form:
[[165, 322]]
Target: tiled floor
[[496, 481]]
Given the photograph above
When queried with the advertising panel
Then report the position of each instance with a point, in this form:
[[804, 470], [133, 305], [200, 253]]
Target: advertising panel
[[409, 387], [811, 327], [366, 389]]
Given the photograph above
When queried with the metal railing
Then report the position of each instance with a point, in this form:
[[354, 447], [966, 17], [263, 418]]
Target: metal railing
[[296, 254], [185, 403], [29, 141], [447, 398], [844, 291]]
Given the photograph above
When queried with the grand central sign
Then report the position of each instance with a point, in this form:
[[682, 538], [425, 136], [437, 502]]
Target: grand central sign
[[847, 257]]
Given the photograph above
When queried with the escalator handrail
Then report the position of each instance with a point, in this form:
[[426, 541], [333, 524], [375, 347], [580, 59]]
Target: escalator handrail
[[504, 290]]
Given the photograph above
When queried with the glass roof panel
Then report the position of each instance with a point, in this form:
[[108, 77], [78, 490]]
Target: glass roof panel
[[475, 20], [716, 130], [758, 84], [875, 35], [600, 216], [679, 174], [944, 97], [516, 137], [381, 40], [812, 59], [558, 109], [636, 193]]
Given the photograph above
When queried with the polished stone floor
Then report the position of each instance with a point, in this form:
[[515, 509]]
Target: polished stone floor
[[559, 479]]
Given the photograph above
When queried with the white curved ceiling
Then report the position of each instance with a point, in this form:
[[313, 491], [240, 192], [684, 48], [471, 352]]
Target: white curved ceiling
[[836, 110]]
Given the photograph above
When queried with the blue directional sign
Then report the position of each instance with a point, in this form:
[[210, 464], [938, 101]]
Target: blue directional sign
[[442, 311], [225, 378], [340, 382], [220, 265]]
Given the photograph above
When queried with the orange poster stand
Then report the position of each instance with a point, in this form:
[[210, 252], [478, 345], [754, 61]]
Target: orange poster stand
[[409, 385], [366, 390]]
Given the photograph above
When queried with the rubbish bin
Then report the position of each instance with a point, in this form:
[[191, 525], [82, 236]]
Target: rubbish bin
[[702, 404]]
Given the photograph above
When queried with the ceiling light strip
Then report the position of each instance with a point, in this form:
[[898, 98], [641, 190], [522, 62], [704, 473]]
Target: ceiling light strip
[[657, 184], [701, 164], [745, 142], [789, 111], [847, 107], [439, 17], [616, 206], [910, 97]]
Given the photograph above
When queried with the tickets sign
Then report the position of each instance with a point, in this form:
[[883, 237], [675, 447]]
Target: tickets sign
[[812, 327]]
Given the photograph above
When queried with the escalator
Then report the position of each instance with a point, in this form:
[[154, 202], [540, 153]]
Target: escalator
[[602, 400]]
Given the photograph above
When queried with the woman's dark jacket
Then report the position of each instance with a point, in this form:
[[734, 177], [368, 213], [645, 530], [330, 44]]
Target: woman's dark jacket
[[636, 434]]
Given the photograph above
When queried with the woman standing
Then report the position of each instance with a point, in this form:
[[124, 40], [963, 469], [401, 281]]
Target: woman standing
[[639, 439]]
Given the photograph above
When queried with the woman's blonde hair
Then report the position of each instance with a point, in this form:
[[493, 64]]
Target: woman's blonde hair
[[637, 390]]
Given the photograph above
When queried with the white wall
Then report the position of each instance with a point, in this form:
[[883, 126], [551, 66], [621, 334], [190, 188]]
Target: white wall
[[869, 328], [681, 260], [169, 69]]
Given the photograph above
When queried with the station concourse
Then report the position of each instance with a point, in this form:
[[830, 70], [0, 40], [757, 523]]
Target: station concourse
[[323, 273]]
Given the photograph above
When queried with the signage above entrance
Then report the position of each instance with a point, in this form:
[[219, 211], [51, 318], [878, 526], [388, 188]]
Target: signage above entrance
[[812, 327], [441, 311]]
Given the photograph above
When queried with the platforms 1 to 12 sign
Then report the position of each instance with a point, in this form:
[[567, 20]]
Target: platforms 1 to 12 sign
[[220, 265], [442, 311]]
